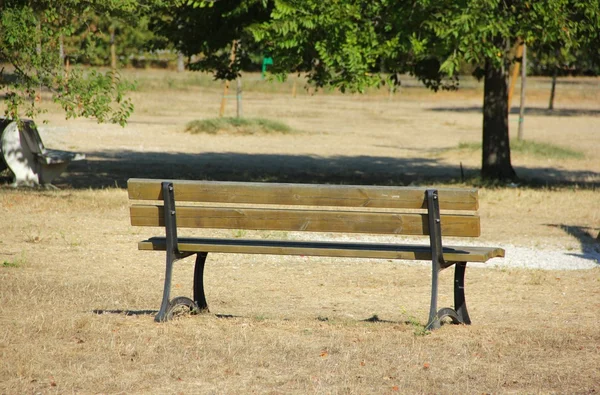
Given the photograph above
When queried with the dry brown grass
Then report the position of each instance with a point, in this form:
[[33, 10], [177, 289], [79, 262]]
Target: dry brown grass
[[296, 324]]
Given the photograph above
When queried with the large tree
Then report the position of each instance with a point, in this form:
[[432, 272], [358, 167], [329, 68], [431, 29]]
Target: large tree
[[341, 43], [209, 29], [32, 33]]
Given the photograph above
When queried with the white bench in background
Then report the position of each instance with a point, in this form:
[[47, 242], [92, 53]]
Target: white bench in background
[[23, 152]]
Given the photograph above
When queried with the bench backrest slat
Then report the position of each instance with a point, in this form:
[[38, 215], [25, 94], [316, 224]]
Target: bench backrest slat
[[359, 208], [304, 194], [305, 220]]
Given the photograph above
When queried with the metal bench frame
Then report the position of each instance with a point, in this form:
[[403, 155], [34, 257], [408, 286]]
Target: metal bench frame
[[458, 314]]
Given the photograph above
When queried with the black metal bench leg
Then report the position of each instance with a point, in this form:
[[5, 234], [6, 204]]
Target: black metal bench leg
[[437, 256], [164, 306], [434, 322], [199, 296], [460, 304], [459, 314], [172, 248]]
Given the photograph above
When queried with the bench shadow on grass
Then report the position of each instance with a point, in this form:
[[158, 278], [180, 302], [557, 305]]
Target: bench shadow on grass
[[590, 247], [125, 312], [537, 111], [372, 319], [113, 168], [147, 312]]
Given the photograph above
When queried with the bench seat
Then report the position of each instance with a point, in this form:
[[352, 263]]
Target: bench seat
[[322, 248]]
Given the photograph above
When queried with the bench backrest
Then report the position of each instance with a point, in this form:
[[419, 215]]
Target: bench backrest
[[319, 208]]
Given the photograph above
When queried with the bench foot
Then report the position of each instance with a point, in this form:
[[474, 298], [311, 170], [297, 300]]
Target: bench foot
[[170, 308], [181, 306], [458, 315], [442, 314]]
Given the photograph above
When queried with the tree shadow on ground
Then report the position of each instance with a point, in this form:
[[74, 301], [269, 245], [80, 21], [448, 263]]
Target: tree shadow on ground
[[113, 168], [543, 177], [590, 246], [537, 111]]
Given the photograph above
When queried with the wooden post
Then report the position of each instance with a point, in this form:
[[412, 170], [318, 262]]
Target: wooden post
[[239, 112], [522, 104], [553, 89], [224, 99], [180, 63], [61, 49], [515, 74], [113, 52], [226, 89], [61, 54], [67, 67], [238, 92]]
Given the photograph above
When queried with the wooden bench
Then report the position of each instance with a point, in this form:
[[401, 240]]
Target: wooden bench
[[325, 208], [24, 153]]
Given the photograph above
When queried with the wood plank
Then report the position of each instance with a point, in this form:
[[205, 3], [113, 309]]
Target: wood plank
[[304, 194], [305, 220], [332, 249]]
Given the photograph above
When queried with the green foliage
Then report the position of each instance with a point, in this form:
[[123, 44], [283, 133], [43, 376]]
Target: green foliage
[[31, 34], [482, 31], [241, 126], [93, 95], [335, 43], [346, 43], [212, 30]]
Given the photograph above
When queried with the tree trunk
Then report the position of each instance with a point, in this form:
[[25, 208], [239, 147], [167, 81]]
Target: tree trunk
[[496, 149]]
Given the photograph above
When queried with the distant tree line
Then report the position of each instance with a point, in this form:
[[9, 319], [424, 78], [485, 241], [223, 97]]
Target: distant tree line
[[155, 38]]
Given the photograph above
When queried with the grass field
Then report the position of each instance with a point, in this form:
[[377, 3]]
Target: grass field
[[77, 299]]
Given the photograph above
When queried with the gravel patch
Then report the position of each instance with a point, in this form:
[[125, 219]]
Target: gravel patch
[[531, 258], [587, 257]]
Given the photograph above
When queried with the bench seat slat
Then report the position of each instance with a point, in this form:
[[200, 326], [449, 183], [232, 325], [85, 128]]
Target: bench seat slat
[[305, 220], [330, 249], [303, 194]]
